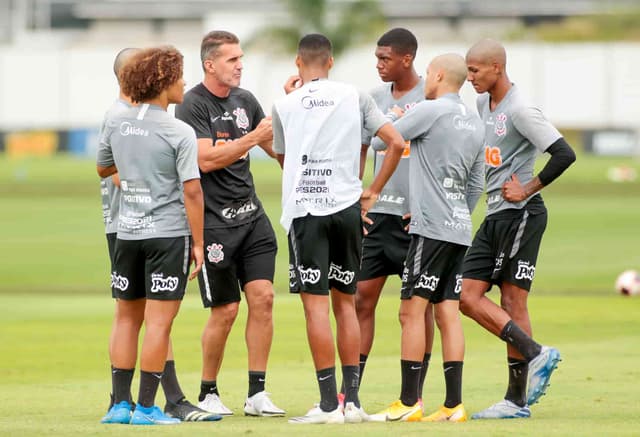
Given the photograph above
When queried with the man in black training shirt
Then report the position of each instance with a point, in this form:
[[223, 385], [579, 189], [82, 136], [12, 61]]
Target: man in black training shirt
[[240, 245]]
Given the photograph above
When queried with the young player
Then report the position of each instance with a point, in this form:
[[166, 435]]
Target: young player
[[505, 248], [385, 244], [161, 206], [446, 176], [317, 136], [177, 405]]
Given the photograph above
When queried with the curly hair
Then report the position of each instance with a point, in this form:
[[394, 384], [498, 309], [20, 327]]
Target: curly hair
[[151, 71]]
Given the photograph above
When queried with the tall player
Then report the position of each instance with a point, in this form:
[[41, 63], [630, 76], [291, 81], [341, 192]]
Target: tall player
[[505, 248], [239, 239], [447, 173], [386, 242], [317, 136], [159, 223], [177, 405]]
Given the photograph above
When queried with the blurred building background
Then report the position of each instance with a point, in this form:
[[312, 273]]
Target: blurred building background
[[577, 59]]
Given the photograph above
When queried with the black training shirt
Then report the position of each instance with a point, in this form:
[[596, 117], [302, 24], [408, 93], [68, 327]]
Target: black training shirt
[[229, 194]]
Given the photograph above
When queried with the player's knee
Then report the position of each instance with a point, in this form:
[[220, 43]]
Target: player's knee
[[224, 314]]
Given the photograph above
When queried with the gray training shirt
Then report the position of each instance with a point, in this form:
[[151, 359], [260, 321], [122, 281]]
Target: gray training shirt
[[154, 154], [447, 170], [394, 198], [109, 191], [514, 133]]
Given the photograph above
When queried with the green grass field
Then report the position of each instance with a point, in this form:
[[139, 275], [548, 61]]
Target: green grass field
[[55, 318]]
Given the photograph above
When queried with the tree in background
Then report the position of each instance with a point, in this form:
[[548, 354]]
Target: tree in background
[[345, 23], [612, 26]]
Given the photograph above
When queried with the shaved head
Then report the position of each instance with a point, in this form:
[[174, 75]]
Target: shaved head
[[122, 58], [488, 51], [453, 66]]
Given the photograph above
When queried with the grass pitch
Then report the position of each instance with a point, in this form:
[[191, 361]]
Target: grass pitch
[[55, 316]]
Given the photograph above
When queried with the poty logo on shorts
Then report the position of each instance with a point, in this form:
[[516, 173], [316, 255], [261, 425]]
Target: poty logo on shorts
[[160, 283], [525, 270], [242, 121], [428, 282], [119, 282], [215, 253], [309, 276], [344, 276], [458, 288]]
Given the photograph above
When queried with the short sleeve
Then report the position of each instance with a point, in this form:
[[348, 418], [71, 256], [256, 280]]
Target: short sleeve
[[278, 132], [187, 154], [533, 125], [105, 153], [372, 117]]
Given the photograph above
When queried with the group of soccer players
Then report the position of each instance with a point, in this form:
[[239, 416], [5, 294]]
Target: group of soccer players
[[177, 190]]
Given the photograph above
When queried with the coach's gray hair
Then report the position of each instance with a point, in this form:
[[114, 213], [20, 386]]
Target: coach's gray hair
[[213, 40]]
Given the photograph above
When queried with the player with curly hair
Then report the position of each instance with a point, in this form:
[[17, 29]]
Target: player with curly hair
[[159, 224]]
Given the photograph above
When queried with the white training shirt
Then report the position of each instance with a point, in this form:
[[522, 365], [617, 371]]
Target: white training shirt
[[318, 129]]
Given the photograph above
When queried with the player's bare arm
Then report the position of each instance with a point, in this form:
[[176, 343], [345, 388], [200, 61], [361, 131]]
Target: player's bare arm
[[105, 172], [194, 206], [214, 158], [363, 159]]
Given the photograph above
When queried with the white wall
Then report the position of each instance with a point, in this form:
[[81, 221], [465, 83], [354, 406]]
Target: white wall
[[577, 86]]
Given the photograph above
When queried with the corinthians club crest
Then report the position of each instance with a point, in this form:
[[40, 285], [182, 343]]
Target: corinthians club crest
[[242, 121], [501, 127], [215, 253]]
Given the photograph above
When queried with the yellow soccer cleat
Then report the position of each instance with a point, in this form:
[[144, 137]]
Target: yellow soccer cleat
[[444, 414], [398, 412]]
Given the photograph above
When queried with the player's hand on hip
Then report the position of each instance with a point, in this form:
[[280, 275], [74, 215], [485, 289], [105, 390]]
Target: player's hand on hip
[[293, 83], [197, 257], [513, 191], [407, 216], [367, 200]]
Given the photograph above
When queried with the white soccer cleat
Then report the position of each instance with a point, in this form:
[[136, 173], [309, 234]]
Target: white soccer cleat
[[503, 410], [540, 370], [261, 405], [213, 404], [353, 414], [316, 415]]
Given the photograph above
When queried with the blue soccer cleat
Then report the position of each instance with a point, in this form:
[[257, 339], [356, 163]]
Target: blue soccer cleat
[[151, 416], [540, 370], [118, 413], [503, 410]]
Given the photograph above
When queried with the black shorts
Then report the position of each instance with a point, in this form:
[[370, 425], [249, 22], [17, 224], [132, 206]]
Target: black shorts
[[385, 246], [111, 245], [156, 268], [433, 270], [506, 250], [324, 252], [235, 256]]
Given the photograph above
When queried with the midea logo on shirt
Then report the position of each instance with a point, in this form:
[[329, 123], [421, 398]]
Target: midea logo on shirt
[[127, 128], [309, 102]]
